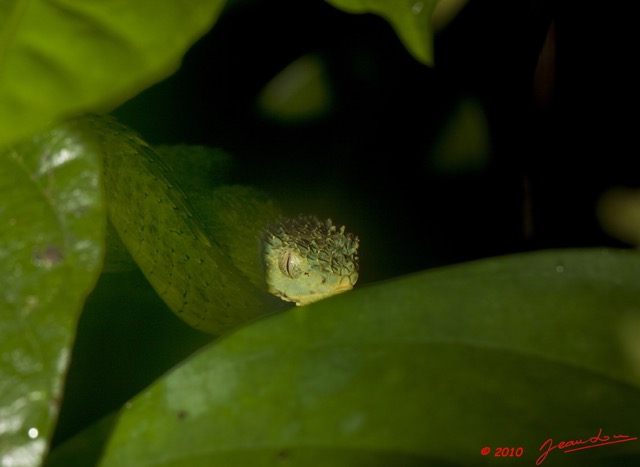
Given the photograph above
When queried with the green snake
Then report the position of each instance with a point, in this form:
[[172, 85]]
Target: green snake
[[217, 254]]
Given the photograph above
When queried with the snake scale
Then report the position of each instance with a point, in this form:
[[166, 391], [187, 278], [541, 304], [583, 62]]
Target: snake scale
[[217, 255]]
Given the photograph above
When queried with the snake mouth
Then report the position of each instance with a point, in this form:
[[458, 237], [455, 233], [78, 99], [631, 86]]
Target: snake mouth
[[343, 288], [347, 282]]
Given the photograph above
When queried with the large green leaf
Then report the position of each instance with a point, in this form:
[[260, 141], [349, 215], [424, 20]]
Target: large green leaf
[[421, 370], [51, 246], [59, 58], [411, 19]]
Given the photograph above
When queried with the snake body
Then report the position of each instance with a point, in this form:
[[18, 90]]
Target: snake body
[[217, 256]]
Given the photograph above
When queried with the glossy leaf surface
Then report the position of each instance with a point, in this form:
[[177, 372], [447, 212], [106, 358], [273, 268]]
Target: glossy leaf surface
[[51, 245], [422, 370]]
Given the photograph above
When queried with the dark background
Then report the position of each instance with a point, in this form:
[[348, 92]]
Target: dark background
[[557, 117]]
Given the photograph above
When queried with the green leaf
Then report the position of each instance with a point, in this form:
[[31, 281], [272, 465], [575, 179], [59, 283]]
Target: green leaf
[[66, 57], [411, 19], [463, 145], [51, 246], [299, 92], [422, 370]]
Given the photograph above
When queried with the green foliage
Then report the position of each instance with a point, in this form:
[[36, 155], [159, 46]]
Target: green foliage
[[411, 19], [57, 59], [68, 57], [420, 370], [51, 247]]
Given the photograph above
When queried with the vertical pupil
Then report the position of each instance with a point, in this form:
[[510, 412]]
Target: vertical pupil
[[291, 265], [288, 264]]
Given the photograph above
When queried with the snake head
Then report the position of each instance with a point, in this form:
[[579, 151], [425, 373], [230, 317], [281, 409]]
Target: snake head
[[306, 260]]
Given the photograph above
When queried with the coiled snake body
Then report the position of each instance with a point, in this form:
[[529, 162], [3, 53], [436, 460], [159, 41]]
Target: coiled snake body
[[213, 255]]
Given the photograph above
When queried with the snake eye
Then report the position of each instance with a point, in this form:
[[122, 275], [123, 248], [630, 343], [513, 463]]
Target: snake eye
[[290, 265]]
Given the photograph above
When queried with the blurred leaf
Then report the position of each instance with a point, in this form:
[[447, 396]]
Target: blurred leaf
[[51, 245], [66, 57], [463, 145], [300, 91], [618, 211], [445, 11], [423, 370], [411, 19]]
